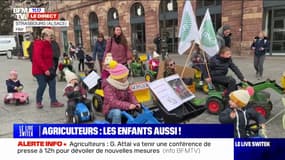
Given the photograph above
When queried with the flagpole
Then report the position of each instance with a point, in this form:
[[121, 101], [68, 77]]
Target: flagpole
[[188, 57]]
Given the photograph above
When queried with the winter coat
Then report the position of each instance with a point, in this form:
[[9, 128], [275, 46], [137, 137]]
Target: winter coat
[[99, 50], [218, 66], [71, 94], [55, 49], [120, 53], [115, 98], [243, 117], [81, 54], [12, 84], [260, 43], [42, 57], [223, 41]]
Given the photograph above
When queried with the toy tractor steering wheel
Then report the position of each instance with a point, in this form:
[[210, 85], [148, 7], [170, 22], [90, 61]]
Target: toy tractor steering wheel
[[135, 112]]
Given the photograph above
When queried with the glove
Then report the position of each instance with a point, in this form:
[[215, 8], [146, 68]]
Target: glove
[[262, 133]]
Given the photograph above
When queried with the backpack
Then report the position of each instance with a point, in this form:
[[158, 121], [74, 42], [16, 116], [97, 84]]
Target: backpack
[[30, 51]]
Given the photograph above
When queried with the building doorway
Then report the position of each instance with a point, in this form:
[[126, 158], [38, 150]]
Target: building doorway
[[276, 30], [138, 27], [168, 22]]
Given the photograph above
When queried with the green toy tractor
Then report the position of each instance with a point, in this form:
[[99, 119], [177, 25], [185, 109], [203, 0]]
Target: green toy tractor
[[260, 100]]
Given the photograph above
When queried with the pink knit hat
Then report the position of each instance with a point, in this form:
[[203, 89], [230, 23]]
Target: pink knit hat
[[117, 70]]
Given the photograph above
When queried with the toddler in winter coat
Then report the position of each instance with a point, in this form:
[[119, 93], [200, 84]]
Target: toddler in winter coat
[[13, 84], [240, 114], [75, 92], [117, 94]]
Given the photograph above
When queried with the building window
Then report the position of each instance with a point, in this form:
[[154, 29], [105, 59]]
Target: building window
[[168, 21], [64, 40], [113, 20], [215, 11], [138, 27], [93, 28], [77, 31]]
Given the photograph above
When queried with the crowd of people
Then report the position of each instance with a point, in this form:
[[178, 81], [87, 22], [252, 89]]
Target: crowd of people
[[113, 56]]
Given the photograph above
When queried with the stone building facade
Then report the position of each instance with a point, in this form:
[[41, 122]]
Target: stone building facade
[[141, 20]]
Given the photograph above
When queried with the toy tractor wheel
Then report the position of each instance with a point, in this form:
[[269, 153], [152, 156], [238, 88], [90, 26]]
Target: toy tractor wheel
[[68, 117], [262, 110], [75, 119], [27, 100], [6, 101], [214, 105], [97, 103], [17, 102], [148, 77]]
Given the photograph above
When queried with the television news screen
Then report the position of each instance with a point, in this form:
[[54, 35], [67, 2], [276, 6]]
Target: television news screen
[[59, 104]]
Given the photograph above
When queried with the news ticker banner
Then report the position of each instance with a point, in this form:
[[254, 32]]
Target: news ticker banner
[[36, 17], [118, 149]]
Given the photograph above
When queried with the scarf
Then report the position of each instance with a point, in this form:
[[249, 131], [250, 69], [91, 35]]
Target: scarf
[[117, 84]]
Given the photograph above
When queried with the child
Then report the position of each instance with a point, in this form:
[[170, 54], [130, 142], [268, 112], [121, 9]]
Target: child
[[74, 92], [170, 67], [240, 114], [260, 45], [13, 84], [105, 74], [153, 64], [90, 64], [67, 62], [218, 66], [117, 94]]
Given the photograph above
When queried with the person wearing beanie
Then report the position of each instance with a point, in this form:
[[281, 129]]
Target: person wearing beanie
[[13, 83], [224, 36], [74, 91], [239, 113], [117, 94]]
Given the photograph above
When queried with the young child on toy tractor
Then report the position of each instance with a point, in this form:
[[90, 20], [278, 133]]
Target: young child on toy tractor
[[153, 63], [74, 92], [66, 62], [218, 66], [117, 94], [13, 84], [240, 114]]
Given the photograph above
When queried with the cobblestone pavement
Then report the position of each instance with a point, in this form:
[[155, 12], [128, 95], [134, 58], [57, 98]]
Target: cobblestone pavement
[[9, 114]]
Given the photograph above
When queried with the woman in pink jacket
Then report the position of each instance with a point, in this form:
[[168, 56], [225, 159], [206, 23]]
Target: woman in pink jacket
[[117, 94], [118, 46]]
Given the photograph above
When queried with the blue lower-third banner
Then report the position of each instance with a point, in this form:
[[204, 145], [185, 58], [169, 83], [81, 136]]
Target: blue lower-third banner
[[122, 131]]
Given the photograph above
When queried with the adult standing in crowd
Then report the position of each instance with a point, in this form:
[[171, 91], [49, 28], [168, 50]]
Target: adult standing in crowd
[[260, 45], [157, 42], [43, 68], [224, 36], [99, 49], [118, 46], [56, 52], [72, 50], [80, 57]]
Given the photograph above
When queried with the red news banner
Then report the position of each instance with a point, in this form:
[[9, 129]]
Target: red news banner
[[43, 16]]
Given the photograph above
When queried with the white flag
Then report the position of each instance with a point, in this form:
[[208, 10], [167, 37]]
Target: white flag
[[208, 41], [188, 30]]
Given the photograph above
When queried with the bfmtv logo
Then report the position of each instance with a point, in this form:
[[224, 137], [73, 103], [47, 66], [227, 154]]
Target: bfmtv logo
[[26, 131]]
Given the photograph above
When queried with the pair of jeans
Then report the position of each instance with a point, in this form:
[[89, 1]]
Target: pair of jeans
[[115, 116], [258, 64], [43, 81], [228, 82]]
